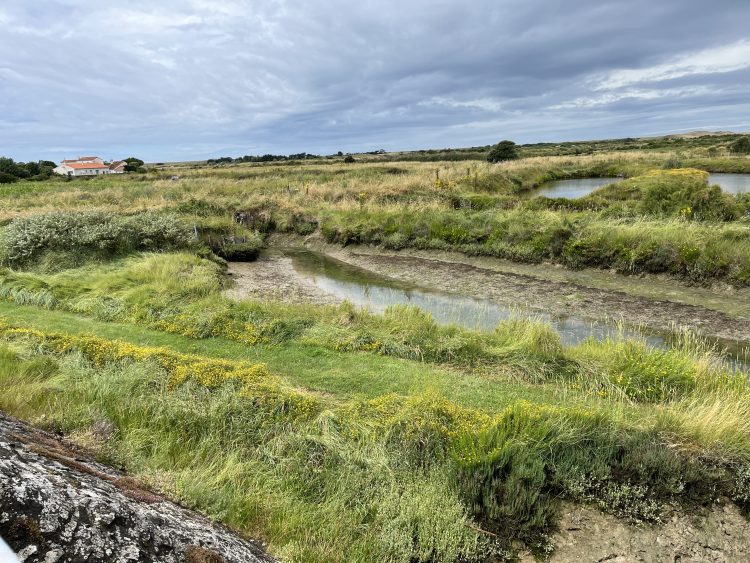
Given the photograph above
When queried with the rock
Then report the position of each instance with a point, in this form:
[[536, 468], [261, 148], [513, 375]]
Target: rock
[[59, 506]]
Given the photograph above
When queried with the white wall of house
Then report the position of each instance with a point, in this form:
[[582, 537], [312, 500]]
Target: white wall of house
[[89, 166], [66, 170], [90, 171]]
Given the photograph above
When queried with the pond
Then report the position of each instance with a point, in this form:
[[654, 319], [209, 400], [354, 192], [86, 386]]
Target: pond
[[731, 183], [374, 292], [573, 189], [581, 187]]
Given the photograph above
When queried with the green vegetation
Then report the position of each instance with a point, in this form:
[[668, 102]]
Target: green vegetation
[[11, 171], [504, 150], [134, 165], [469, 458], [74, 238], [661, 219], [741, 145], [340, 435], [362, 478]]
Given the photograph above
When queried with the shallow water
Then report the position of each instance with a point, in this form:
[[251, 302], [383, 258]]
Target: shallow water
[[368, 290], [731, 183], [573, 189], [581, 187], [372, 291]]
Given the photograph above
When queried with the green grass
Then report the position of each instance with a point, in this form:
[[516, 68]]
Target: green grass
[[391, 478], [465, 206], [340, 374], [378, 437]]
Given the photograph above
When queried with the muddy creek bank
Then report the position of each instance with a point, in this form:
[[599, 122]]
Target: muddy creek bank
[[473, 296]]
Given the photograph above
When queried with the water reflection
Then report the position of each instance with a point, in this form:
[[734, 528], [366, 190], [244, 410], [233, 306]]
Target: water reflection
[[368, 290], [573, 189], [581, 187], [731, 183]]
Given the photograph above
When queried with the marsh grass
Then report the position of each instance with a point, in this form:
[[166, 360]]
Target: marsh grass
[[466, 206], [375, 471], [398, 478], [378, 436]]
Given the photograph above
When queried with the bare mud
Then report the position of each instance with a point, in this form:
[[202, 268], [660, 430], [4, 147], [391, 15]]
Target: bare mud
[[273, 278], [720, 534], [655, 304]]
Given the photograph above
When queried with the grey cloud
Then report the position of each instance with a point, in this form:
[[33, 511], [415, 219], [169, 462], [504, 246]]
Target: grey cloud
[[198, 78]]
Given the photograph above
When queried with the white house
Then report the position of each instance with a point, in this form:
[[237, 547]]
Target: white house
[[89, 166], [117, 167]]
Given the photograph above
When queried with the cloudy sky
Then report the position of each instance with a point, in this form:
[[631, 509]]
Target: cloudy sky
[[190, 79]]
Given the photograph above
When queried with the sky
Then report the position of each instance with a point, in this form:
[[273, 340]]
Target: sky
[[175, 80]]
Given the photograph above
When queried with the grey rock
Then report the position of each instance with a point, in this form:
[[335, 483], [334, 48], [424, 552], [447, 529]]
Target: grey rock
[[59, 506]]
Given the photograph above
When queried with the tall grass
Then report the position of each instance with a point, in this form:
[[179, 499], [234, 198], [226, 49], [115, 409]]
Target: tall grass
[[466, 206], [180, 293], [366, 460], [393, 478]]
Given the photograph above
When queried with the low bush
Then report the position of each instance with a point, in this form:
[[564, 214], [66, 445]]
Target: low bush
[[78, 237], [684, 192]]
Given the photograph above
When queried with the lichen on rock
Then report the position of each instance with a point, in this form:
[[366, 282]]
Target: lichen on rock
[[58, 506]]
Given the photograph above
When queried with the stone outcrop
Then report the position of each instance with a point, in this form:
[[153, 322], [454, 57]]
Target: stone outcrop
[[58, 506]]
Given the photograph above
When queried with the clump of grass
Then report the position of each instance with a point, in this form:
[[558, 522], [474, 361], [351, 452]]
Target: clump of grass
[[634, 370]]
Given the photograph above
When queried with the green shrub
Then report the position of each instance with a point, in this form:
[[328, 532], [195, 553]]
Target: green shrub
[[91, 234], [684, 192], [6, 178], [504, 150], [741, 145]]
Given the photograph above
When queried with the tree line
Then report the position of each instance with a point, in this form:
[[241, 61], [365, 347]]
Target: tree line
[[12, 171], [262, 158]]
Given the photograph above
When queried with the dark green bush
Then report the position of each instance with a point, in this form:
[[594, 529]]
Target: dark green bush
[[741, 145], [504, 150], [6, 178]]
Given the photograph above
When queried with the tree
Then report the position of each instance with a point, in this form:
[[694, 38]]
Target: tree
[[8, 166], [349, 159], [6, 178], [741, 145], [504, 150], [133, 164]]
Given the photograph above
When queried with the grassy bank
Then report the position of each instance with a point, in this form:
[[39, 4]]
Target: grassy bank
[[324, 477], [661, 219], [180, 293], [338, 435]]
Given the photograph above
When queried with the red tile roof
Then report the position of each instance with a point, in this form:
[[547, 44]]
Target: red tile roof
[[80, 159], [85, 165]]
